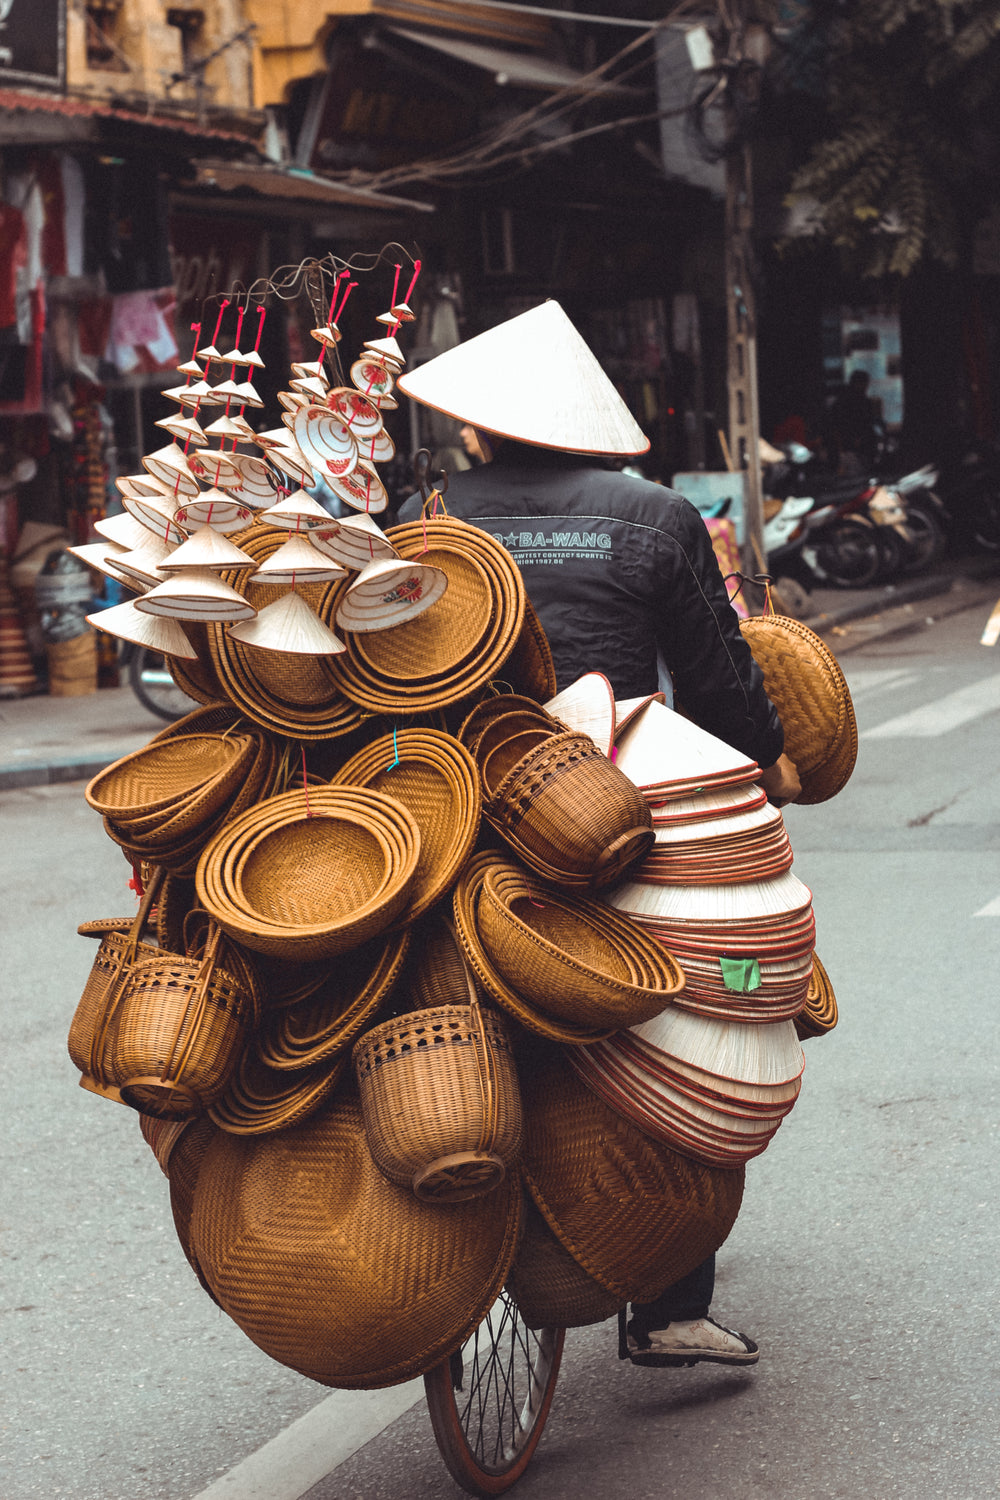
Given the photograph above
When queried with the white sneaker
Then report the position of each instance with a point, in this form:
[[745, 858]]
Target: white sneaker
[[703, 1340]]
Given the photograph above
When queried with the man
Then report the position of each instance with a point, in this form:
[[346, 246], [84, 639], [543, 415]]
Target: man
[[624, 580]]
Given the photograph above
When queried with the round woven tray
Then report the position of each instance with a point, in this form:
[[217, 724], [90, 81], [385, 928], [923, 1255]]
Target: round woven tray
[[433, 776], [530, 669], [804, 682], [333, 1270], [158, 777], [453, 649], [259, 1100], [325, 1024], [550, 1289], [636, 1215]]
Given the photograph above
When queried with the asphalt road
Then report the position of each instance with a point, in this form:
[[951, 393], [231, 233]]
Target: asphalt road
[[863, 1262]]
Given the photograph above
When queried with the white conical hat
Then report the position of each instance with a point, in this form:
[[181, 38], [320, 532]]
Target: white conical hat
[[216, 508], [289, 625], [390, 592], [660, 748], [354, 540], [124, 530], [295, 512], [101, 557], [534, 379], [187, 428], [207, 548], [196, 594], [588, 706], [297, 560], [751, 1053], [159, 634], [144, 563]]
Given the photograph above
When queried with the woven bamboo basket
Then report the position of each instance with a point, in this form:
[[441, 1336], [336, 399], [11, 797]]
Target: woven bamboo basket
[[433, 776], [440, 1099], [550, 1289], [182, 1024], [260, 1100], [530, 669], [92, 1030], [161, 775], [564, 956], [569, 812], [820, 1012], [803, 679], [465, 904], [636, 1215], [348, 1279]]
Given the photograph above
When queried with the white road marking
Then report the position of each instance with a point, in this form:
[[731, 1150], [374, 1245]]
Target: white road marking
[[991, 909], [865, 680], [943, 714], [289, 1465]]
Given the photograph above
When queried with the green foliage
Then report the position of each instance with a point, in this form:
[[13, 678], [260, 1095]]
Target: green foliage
[[913, 145]]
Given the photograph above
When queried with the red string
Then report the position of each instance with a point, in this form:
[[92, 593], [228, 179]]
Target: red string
[[305, 782], [261, 314], [416, 272], [135, 884], [347, 292], [218, 321], [395, 286], [336, 293]]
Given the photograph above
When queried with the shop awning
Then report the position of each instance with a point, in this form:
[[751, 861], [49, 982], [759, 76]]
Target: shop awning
[[16, 102], [281, 182], [522, 70]]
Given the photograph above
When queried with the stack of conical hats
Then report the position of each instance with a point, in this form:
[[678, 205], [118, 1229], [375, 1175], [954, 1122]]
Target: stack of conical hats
[[717, 889]]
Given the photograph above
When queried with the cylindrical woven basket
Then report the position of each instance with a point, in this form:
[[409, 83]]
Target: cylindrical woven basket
[[636, 1215], [92, 1030], [568, 811], [441, 1103], [181, 1027]]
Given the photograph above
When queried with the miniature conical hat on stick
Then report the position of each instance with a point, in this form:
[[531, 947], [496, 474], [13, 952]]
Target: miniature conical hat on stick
[[170, 464], [159, 634], [289, 625], [588, 706], [247, 394], [156, 512], [216, 508], [311, 386], [257, 486], [145, 563], [314, 369], [207, 548], [534, 379], [372, 377], [191, 394], [359, 413], [292, 461], [189, 367], [215, 467], [295, 512], [363, 489], [235, 357], [275, 437], [660, 748], [354, 541], [297, 560], [187, 429], [196, 594], [387, 348], [389, 593], [101, 557], [225, 427]]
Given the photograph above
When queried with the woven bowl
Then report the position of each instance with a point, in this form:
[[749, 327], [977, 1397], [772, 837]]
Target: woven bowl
[[333, 1270], [530, 669], [440, 1100], [804, 682], [820, 1013], [550, 1289], [259, 1100], [161, 775], [551, 950], [636, 1215], [434, 777], [465, 904], [571, 814]]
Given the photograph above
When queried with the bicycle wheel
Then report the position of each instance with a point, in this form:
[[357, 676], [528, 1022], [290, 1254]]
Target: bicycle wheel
[[489, 1401], [154, 687]]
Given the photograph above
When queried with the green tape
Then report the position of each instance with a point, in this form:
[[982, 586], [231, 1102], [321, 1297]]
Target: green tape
[[740, 974]]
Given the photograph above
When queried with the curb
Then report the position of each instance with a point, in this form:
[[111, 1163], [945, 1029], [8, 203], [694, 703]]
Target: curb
[[58, 769]]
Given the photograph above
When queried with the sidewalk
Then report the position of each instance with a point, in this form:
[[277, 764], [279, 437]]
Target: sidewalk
[[47, 740]]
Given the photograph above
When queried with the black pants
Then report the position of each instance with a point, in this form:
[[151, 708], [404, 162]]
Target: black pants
[[689, 1298]]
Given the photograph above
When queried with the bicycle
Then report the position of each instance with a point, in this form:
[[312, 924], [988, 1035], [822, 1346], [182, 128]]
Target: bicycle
[[151, 682], [489, 1401]]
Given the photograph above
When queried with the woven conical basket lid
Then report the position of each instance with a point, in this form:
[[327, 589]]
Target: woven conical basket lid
[[532, 378], [333, 1270], [636, 1215], [804, 682]]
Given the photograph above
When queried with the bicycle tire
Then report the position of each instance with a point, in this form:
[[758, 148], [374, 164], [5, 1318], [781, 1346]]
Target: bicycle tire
[[927, 539], [154, 687], [489, 1401]]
